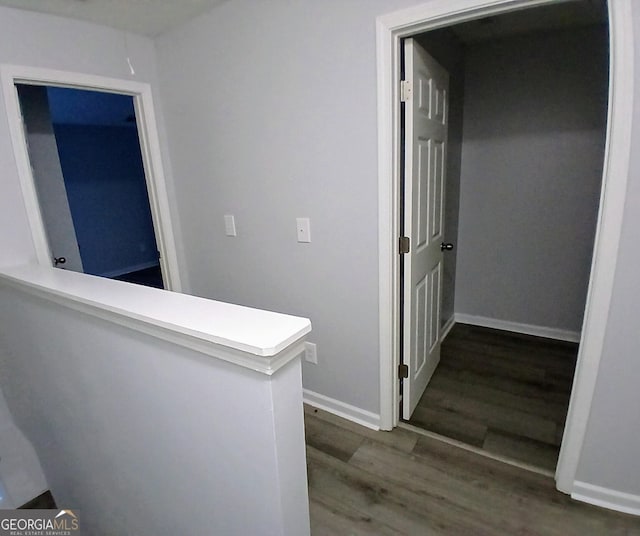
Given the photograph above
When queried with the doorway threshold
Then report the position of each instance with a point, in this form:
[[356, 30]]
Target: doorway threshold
[[470, 448]]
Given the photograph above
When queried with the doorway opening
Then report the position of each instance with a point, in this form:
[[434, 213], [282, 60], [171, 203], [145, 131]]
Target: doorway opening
[[149, 255], [438, 14], [88, 172], [526, 118]]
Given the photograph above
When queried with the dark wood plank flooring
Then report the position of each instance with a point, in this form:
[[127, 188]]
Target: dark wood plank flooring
[[363, 482], [503, 392]]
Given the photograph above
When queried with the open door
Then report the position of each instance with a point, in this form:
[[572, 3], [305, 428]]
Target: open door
[[48, 178], [425, 94]]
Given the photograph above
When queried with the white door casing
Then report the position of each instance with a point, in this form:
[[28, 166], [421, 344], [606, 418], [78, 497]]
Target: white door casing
[[390, 29], [149, 147], [426, 121]]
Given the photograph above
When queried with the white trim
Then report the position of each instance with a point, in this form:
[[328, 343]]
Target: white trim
[[448, 326], [439, 13], [346, 411], [149, 147], [517, 327], [262, 341], [607, 498]]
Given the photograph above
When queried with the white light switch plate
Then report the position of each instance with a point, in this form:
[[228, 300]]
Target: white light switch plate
[[229, 225], [304, 229]]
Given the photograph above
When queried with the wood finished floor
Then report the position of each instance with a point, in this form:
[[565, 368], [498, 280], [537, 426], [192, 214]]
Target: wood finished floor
[[503, 392], [363, 482]]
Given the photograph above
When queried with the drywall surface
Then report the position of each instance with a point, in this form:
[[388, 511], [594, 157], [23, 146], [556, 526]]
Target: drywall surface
[[270, 110], [609, 456], [450, 53], [534, 120], [147, 437], [53, 43], [20, 470]]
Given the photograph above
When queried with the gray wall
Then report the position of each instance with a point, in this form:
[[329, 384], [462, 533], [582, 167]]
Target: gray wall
[[263, 123], [271, 115], [447, 50], [534, 119], [266, 129]]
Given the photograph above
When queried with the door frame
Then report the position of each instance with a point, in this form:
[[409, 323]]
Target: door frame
[[390, 29], [10, 75]]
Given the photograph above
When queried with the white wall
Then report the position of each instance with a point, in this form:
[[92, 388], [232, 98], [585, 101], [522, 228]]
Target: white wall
[[53, 43], [147, 437], [20, 470], [533, 150], [271, 114]]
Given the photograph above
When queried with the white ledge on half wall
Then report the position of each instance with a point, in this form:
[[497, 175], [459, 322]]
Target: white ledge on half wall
[[263, 341]]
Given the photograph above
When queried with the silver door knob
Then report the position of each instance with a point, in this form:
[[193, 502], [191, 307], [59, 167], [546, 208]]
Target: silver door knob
[[59, 260], [446, 246]]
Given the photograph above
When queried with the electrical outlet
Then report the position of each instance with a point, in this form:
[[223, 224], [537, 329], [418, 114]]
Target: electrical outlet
[[230, 225], [311, 353], [303, 226]]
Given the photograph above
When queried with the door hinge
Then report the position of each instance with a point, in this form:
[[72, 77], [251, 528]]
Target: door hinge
[[404, 245], [403, 371], [406, 90]]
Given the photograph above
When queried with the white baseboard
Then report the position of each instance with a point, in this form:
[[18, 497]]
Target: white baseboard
[[447, 327], [527, 329], [606, 498], [346, 411]]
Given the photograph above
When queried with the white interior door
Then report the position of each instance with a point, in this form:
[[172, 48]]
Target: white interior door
[[48, 178], [426, 119]]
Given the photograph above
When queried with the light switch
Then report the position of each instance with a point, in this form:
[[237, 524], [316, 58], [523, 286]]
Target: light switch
[[230, 225], [304, 229]]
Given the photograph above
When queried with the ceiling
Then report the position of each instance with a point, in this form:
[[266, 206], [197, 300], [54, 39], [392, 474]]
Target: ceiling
[[146, 17], [152, 17]]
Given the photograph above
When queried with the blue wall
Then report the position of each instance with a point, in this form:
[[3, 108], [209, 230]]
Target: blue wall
[[83, 107], [105, 182]]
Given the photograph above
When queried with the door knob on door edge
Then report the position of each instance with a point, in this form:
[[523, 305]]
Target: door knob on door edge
[[446, 246]]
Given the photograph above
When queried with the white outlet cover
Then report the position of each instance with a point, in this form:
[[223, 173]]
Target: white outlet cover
[[303, 226], [230, 225], [311, 353]]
